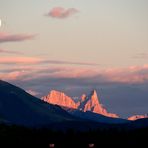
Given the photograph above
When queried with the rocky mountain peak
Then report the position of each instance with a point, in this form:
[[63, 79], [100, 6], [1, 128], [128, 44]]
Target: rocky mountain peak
[[88, 102], [60, 98]]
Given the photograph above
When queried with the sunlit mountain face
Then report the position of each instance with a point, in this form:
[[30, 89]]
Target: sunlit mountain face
[[136, 117], [88, 102]]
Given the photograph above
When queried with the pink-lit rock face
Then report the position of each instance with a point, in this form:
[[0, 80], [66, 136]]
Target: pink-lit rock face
[[59, 98], [135, 117], [91, 103], [87, 102]]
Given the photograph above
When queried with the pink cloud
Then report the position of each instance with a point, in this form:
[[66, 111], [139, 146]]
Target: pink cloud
[[24, 73], [59, 12], [19, 60], [129, 75], [40, 70], [15, 75], [5, 37], [133, 74], [74, 73]]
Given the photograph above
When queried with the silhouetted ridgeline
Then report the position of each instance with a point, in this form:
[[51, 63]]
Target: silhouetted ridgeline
[[17, 136]]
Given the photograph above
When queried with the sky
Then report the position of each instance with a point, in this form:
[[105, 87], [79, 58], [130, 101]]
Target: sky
[[78, 45]]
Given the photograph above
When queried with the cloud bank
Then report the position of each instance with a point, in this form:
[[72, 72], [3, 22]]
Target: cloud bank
[[42, 70]]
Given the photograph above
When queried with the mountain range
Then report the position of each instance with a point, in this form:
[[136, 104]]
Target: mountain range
[[56, 110], [17, 107], [86, 107], [88, 104]]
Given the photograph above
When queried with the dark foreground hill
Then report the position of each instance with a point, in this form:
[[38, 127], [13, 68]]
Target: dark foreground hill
[[20, 108]]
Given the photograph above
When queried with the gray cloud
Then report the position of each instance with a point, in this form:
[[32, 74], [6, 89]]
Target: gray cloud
[[143, 56], [5, 37], [9, 52], [58, 62], [26, 60]]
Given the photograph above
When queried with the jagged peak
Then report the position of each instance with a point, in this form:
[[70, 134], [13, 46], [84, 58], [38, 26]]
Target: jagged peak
[[93, 104], [94, 92], [59, 98], [93, 97], [83, 98]]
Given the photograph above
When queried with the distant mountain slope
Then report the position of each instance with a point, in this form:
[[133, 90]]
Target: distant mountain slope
[[96, 117], [136, 117], [19, 107]]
